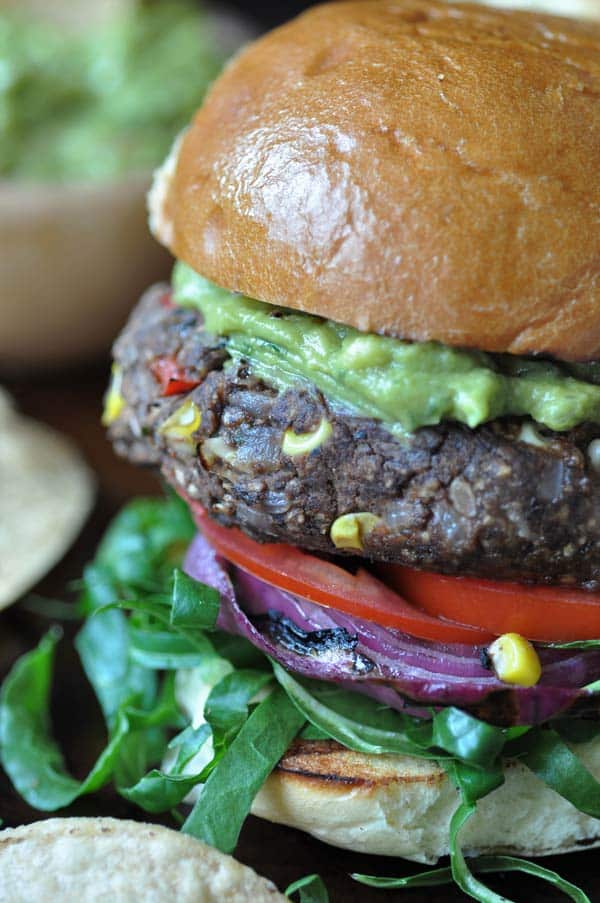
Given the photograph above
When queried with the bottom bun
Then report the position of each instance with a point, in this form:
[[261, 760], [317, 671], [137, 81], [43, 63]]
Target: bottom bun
[[401, 805]]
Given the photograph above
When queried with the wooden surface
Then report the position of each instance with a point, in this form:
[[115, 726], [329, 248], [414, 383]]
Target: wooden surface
[[72, 404]]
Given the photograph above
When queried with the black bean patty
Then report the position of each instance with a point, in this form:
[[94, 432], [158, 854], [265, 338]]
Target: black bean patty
[[483, 501]]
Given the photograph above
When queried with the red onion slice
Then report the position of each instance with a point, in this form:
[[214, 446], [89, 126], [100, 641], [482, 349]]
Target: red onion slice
[[403, 672]]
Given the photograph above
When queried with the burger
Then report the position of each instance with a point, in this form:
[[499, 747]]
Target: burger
[[375, 381], [580, 9]]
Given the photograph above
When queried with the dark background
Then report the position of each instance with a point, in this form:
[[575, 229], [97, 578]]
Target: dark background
[[270, 14]]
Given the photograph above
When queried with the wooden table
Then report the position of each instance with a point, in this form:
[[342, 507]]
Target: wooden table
[[72, 404]]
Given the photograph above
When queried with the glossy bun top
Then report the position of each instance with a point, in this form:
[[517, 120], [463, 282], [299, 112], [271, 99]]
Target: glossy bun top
[[416, 168]]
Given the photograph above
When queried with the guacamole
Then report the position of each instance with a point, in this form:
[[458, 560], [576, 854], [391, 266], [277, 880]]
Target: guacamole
[[406, 385], [97, 104]]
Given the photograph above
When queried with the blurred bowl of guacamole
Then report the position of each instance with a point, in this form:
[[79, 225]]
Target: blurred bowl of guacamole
[[88, 108]]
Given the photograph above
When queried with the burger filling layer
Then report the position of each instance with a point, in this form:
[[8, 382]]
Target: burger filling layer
[[399, 670]]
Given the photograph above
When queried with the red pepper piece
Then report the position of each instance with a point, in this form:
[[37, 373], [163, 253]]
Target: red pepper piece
[[172, 378]]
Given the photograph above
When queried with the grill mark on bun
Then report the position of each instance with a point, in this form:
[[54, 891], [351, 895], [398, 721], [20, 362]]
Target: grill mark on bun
[[329, 762]]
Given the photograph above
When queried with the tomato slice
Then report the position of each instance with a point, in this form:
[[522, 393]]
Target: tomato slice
[[173, 379], [543, 613], [361, 595]]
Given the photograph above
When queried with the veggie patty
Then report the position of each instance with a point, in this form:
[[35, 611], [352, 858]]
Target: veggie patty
[[506, 500]]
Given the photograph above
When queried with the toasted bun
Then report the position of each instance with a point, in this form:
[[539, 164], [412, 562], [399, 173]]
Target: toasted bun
[[89, 860], [425, 170], [402, 806]]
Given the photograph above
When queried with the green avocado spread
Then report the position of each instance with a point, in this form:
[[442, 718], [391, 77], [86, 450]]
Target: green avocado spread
[[95, 103], [406, 385]]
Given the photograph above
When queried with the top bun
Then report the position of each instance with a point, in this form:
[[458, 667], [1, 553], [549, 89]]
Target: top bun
[[576, 9], [413, 168]]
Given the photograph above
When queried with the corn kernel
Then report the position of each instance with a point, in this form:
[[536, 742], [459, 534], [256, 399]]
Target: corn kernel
[[183, 422], [113, 400], [349, 530], [515, 660], [295, 444]]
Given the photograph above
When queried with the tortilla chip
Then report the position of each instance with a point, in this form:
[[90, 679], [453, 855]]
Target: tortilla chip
[[80, 860], [46, 492]]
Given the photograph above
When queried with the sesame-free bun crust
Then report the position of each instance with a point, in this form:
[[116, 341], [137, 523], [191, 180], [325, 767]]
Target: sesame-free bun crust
[[92, 860], [416, 168]]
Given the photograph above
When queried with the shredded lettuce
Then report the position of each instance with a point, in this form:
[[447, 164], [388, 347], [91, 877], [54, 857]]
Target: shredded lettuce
[[482, 865], [451, 734], [245, 765], [549, 757], [310, 889], [30, 756], [227, 707]]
